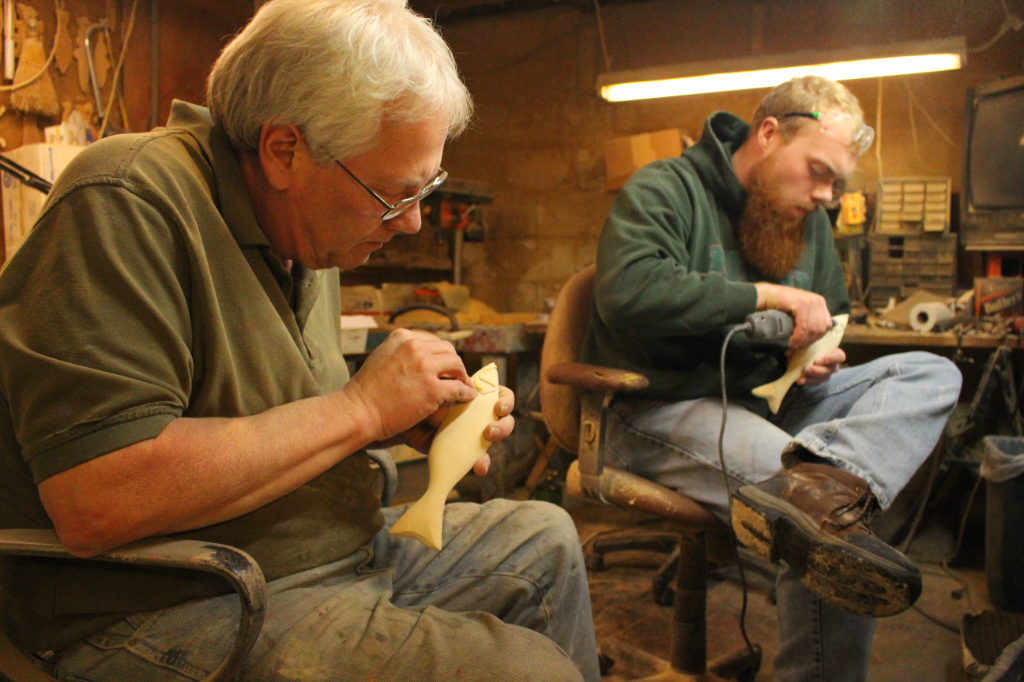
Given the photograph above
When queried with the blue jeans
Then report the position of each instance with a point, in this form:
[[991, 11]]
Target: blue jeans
[[506, 599], [878, 421]]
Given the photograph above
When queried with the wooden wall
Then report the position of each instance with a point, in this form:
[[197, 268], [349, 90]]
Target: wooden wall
[[191, 35], [539, 132]]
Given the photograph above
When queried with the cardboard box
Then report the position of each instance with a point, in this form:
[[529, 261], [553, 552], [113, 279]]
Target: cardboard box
[[397, 295], [998, 296], [21, 204], [354, 330], [625, 155], [363, 299]]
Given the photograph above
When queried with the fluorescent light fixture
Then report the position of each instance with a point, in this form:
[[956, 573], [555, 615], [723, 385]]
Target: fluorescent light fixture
[[769, 70]]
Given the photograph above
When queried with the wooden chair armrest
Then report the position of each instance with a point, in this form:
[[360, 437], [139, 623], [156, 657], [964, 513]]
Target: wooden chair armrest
[[626, 490], [388, 470], [231, 564], [596, 378]]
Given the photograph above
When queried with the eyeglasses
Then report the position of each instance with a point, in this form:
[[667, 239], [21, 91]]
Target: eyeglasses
[[863, 135], [397, 209], [815, 115]]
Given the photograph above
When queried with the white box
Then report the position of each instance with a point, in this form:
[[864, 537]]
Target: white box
[[23, 204], [354, 330]]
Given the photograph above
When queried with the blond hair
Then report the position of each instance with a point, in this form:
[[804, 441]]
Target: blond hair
[[336, 69], [811, 94]]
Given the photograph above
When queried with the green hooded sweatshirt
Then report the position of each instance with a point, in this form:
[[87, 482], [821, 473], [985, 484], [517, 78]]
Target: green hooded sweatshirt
[[671, 281]]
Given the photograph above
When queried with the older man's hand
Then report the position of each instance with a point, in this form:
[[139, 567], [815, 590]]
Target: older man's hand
[[405, 380], [422, 435]]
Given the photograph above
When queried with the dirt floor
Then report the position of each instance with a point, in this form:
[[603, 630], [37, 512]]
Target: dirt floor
[[920, 644]]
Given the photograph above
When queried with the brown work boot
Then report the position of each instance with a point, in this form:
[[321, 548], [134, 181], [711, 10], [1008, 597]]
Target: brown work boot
[[814, 517]]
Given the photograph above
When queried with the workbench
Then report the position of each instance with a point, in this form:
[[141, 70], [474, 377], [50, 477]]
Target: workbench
[[497, 343], [971, 351], [862, 334]]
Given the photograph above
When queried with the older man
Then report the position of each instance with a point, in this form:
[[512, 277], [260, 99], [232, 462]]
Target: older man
[[692, 246], [170, 364]]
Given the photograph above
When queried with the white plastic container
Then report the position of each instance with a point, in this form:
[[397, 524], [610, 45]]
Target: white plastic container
[[354, 330], [22, 204]]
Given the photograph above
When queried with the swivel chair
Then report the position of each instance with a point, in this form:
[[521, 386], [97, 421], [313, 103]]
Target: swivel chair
[[574, 401], [233, 565]]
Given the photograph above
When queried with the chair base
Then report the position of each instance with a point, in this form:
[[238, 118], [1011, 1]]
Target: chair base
[[665, 542], [741, 665], [689, 627]]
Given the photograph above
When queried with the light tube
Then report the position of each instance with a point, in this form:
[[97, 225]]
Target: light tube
[[644, 84]]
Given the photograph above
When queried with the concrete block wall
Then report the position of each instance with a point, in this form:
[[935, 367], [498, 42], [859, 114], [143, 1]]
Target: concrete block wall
[[538, 137], [539, 132]]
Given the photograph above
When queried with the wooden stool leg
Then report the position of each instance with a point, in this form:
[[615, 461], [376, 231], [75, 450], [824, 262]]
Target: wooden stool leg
[[689, 636]]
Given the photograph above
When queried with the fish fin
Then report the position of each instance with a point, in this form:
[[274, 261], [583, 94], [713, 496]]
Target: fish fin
[[422, 521], [773, 393]]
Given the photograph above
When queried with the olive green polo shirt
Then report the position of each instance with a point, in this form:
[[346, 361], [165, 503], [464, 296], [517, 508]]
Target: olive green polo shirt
[[146, 292]]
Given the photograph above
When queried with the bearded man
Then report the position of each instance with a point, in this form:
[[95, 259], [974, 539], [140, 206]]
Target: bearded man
[[692, 246]]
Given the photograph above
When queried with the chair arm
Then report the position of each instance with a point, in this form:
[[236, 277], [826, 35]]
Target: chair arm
[[389, 471], [16, 667], [596, 378], [233, 565], [626, 490]]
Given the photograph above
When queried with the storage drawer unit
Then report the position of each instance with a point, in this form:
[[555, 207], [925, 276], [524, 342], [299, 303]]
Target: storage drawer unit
[[901, 264], [911, 205]]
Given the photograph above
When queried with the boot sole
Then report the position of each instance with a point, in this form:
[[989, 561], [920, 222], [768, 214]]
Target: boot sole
[[837, 572]]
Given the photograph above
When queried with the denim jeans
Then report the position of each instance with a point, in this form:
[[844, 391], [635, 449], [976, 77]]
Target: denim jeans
[[506, 599], [878, 421]]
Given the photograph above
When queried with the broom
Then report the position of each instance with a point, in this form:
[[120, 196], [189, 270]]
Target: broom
[[36, 96]]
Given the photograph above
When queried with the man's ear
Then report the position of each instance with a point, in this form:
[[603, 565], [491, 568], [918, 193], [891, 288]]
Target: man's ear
[[282, 150], [768, 133]]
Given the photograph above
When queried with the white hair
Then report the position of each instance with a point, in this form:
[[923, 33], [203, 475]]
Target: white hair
[[336, 69]]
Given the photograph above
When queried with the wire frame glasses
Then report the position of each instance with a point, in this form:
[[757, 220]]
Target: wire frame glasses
[[394, 210]]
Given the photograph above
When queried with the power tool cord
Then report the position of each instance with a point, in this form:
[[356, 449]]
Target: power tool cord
[[728, 488]]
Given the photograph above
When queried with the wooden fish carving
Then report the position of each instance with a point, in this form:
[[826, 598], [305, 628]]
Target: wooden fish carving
[[776, 390], [459, 443]]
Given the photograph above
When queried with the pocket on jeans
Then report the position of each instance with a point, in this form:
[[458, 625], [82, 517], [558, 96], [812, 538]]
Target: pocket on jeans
[[191, 639], [114, 636], [179, 659]]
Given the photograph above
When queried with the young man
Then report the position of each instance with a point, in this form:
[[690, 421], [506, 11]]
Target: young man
[[170, 364], [692, 246]]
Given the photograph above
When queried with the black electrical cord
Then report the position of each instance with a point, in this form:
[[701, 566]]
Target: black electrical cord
[[728, 489], [25, 175], [944, 563]]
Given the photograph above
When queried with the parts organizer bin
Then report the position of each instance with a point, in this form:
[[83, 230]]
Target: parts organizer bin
[[902, 264], [911, 205]]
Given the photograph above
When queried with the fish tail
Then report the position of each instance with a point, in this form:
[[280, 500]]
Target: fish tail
[[773, 393], [423, 521]]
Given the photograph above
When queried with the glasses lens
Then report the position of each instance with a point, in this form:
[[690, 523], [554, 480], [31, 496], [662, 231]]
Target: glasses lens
[[400, 208], [865, 138]]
